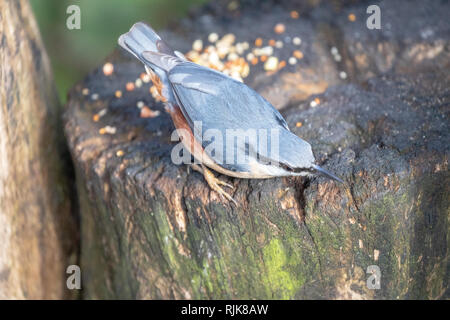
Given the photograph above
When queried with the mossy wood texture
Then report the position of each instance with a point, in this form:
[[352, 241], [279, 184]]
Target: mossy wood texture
[[150, 229]]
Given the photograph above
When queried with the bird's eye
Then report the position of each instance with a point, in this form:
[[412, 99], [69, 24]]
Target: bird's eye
[[286, 167]]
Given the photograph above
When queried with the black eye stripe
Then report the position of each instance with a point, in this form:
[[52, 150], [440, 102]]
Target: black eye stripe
[[296, 170], [285, 166]]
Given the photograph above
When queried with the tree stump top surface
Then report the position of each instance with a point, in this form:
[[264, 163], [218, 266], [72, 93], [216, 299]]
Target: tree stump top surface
[[383, 128]]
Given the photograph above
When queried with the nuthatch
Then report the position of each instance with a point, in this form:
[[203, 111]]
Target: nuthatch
[[196, 94]]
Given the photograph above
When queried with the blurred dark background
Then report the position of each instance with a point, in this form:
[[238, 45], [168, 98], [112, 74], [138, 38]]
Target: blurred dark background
[[75, 52]]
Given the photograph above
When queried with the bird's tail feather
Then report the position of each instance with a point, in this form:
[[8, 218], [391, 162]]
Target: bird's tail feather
[[142, 38]]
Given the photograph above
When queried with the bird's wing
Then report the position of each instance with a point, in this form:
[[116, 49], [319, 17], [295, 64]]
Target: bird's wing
[[220, 103]]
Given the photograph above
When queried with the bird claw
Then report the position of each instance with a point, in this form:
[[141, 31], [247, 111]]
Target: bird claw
[[223, 194], [223, 183], [215, 183]]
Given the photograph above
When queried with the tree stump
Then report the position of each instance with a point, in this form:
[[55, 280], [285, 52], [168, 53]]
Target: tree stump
[[37, 229], [377, 117]]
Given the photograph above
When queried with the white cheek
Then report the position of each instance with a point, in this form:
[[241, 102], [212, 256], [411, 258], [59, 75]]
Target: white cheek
[[260, 169]]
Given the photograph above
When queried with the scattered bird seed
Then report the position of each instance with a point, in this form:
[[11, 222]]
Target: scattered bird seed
[[250, 56], [102, 112], [335, 53], [233, 56], [351, 17], [94, 96], [239, 48], [279, 44], [140, 104], [129, 86], [258, 42], [343, 75], [85, 91], [146, 112], [197, 45], [271, 64], [297, 54], [265, 51], [297, 41], [228, 39], [107, 130], [138, 83], [120, 153], [298, 124], [245, 70], [292, 60], [222, 51], [118, 94], [294, 14], [108, 68], [213, 37], [145, 77], [279, 28], [314, 103]]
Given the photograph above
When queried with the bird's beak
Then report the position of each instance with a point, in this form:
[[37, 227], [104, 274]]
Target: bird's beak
[[326, 173]]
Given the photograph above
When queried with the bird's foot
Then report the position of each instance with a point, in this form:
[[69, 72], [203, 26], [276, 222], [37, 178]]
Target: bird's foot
[[214, 183]]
